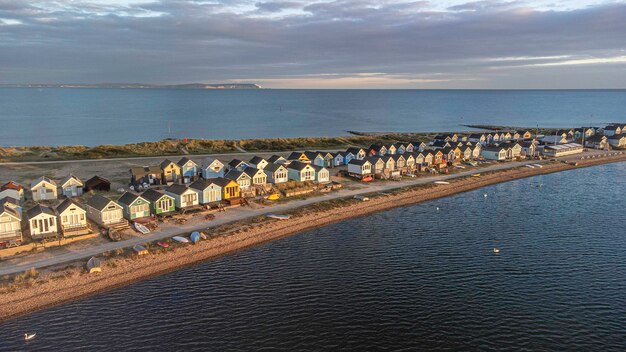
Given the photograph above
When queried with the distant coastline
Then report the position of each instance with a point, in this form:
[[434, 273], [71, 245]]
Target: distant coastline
[[138, 86]]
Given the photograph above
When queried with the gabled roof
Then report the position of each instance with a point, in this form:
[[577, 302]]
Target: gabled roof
[[66, 204], [69, 177], [313, 155], [318, 168], [209, 160], [596, 138], [184, 160], [177, 189], [612, 128], [354, 150], [11, 185], [99, 202], [377, 147], [493, 148], [297, 165], [256, 160], [274, 158], [274, 167], [39, 209], [165, 163], [374, 159], [236, 162], [476, 135], [252, 171], [96, 180], [153, 195], [617, 136], [42, 179], [359, 162], [221, 181], [295, 156], [8, 210], [128, 198], [235, 174], [397, 157], [399, 144]]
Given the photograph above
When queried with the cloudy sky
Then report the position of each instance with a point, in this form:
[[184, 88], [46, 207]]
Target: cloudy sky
[[317, 44]]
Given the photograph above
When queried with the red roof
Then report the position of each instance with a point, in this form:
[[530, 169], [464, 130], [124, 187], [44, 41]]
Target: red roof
[[12, 185]]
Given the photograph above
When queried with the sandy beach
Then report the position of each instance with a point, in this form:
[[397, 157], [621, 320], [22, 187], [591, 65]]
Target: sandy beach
[[53, 287]]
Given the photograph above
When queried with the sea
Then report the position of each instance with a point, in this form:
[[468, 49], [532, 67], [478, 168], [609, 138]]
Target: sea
[[416, 278], [64, 116]]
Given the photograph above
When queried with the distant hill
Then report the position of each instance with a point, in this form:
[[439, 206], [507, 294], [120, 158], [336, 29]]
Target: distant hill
[[141, 86]]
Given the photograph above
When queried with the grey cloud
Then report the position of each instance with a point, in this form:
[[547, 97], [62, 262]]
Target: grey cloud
[[201, 41]]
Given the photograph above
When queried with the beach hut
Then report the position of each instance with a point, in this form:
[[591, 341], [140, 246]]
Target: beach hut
[[347, 156], [410, 161], [208, 191], [400, 148], [597, 141], [12, 190], [134, 206], [378, 164], [188, 169], [170, 171], [322, 175], [243, 179], [467, 153], [10, 225], [338, 159], [258, 162], [257, 176], [230, 189], [492, 152], [477, 138], [299, 171], [359, 168], [44, 189], [276, 173], [377, 149], [358, 153], [391, 149], [400, 162], [184, 197], [42, 222], [212, 168], [105, 212], [617, 140], [97, 183], [72, 218], [146, 175], [316, 158], [237, 165], [71, 186], [476, 150], [160, 203], [410, 147]]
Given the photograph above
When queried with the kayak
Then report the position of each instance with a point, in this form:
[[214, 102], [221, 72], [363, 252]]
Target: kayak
[[274, 196], [195, 237], [180, 239], [162, 244]]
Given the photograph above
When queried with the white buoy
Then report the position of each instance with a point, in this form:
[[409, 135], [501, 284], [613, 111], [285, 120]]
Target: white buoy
[[437, 208], [496, 250], [485, 195]]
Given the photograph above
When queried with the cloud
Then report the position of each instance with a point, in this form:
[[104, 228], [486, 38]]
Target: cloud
[[408, 42]]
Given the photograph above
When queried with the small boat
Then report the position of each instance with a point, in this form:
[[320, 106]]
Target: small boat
[[530, 166], [195, 237], [274, 196], [141, 250], [442, 183], [162, 244], [28, 337], [114, 235], [485, 195], [180, 239], [278, 216], [476, 175], [496, 251], [538, 165], [437, 208], [204, 236], [362, 198], [93, 265], [141, 228]]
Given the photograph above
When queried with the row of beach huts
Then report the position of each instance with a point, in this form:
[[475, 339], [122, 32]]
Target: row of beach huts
[[172, 187]]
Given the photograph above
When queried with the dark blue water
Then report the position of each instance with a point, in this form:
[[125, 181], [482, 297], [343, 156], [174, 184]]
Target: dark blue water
[[116, 116], [406, 279]]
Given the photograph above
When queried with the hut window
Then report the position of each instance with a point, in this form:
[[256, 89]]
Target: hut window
[[34, 224]]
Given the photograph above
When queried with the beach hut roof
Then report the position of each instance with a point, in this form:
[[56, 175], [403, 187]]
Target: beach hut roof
[[99, 202], [39, 209]]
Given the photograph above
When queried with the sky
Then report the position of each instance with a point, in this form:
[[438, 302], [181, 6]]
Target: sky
[[421, 44]]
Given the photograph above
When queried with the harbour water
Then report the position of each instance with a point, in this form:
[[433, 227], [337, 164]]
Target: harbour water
[[422, 277], [56, 116]]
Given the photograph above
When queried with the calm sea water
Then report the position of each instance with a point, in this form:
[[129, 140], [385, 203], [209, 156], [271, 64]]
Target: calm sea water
[[406, 279], [115, 116]]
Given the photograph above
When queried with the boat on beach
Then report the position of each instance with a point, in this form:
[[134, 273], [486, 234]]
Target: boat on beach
[[93, 265], [162, 244], [362, 198], [28, 337], [141, 228], [441, 183], [180, 239], [530, 166], [195, 237], [476, 175], [274, 196], [204, 236], [278, 216], [140, 250]]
